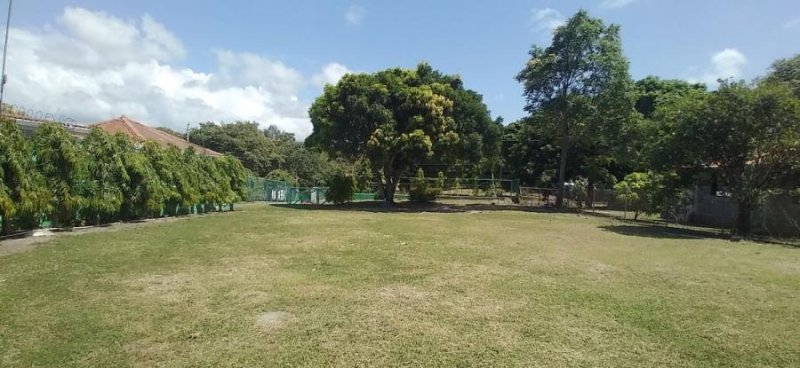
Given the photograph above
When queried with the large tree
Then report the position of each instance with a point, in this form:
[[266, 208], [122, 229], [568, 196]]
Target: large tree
[[748, 137], [398, 119], [786, 71], [243, 140], [580, 85]]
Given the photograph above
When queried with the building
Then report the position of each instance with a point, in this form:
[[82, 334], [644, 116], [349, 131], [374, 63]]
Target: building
[[139, 132]]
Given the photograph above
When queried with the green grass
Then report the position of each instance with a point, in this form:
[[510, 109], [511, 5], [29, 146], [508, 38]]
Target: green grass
[[498, 288]]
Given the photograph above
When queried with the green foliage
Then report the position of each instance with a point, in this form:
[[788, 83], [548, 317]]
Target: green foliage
[[654, 91], [107, 175], [341, 189], [580, 89], [282, 175], [748, 137], [63, 164], [635, 191], [421, 189], [398, 118], [245, 141], [22, 189], [786, 72], [144, 192], [649, 192], [105, 178]]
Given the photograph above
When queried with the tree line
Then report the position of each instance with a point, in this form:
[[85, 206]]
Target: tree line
[[104, 178], [588, 121]]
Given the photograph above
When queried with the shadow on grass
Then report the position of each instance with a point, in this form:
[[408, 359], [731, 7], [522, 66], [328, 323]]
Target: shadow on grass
[[409, 207], [662, 232]]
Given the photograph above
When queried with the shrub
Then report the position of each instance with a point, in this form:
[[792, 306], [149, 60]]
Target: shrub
[[421, 190], [341, 189]]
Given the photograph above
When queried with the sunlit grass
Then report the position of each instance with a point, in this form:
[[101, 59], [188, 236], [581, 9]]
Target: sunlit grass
[[271, 286]]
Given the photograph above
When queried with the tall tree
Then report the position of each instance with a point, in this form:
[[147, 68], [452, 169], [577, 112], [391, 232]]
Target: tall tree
[[63, 164], [786, 71], [653, 91], [107, 175], [580, 83], [748, 137], [392, 117], [243, 140], [21, 186]]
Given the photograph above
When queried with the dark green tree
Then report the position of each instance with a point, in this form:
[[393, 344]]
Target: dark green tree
[[580, 85], [397, 119], [748, 137], [786, 71]]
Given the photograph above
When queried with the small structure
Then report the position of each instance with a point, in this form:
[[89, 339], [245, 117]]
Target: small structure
[[139, 132], [776, 214]]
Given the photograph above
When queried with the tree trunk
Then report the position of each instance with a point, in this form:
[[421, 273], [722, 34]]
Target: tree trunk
[[6, 225], [743, 218], [590, 194], [388, 194], [561, 176]]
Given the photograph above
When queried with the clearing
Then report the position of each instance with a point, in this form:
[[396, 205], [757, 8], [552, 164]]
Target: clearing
[[278, 286]]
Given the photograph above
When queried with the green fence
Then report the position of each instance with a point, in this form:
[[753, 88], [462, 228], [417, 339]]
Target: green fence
[[466, 187], [261, 189], [314, 195]]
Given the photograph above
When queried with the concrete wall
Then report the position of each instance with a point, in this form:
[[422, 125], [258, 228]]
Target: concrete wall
[[776, 215]]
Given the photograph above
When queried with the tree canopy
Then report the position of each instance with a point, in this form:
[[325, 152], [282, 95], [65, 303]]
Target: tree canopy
[[400, 118], [746, 136], [580, 87]]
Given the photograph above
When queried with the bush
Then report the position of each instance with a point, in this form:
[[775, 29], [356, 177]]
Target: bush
[[341, 189], [421, 190]]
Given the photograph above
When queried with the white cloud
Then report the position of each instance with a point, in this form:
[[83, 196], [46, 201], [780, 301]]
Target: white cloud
[[547, 19], [330, 74], [613, 4], [93, 66], [793, 23], [728, 63], [355, 14]]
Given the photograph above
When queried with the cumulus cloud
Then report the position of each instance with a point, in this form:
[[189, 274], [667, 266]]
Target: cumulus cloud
[[93, 66], [728, 63], [547, 19], [613, 4], [355, 14], [330, 74]]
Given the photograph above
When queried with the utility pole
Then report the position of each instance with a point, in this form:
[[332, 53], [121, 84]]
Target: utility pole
[[5, 51], [187, 132]]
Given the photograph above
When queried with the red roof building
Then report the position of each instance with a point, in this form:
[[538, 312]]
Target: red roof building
[[139, 132]]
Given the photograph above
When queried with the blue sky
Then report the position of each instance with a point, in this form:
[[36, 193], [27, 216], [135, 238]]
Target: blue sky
[[218, 60]]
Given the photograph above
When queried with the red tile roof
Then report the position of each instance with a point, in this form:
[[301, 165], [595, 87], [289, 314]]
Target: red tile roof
[[139, 132]]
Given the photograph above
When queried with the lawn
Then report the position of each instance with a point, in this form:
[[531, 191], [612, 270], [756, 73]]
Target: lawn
[[276, 286]]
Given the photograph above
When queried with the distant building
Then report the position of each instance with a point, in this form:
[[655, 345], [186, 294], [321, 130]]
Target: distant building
[[139, 132], [28, 126]]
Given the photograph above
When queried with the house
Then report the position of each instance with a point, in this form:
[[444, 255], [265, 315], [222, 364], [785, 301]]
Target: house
[[139, 132]]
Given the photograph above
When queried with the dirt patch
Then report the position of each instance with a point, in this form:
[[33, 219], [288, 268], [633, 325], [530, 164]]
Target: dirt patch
[[273, 320]]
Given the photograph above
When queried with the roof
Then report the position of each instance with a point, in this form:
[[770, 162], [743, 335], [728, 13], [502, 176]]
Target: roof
[[140, 133]]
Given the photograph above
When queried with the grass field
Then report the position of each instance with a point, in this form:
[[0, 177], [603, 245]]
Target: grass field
[[272, 286]]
